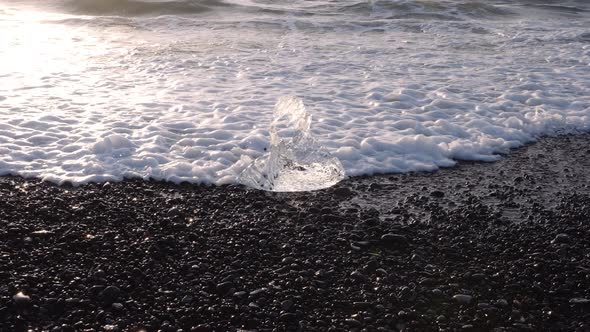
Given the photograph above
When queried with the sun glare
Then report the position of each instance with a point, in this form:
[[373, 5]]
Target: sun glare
[[31, 45]]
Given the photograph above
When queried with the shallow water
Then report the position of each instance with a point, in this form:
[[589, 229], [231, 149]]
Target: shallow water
[[184, 90]]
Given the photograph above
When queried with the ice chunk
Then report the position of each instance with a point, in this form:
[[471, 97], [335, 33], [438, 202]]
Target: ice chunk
[[295, 160]]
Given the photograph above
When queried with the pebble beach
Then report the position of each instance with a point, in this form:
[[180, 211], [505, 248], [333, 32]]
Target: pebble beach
[[499, 246]]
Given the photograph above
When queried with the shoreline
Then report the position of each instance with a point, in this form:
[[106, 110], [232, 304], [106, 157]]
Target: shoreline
[[479, 246]]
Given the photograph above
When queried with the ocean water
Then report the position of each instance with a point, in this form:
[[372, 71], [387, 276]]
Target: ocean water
[[99, 90]]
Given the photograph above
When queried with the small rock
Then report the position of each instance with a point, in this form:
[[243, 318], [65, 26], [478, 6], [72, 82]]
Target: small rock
[[353, 323], [187, 299], [501, 303], [110, 294], [201, 328], [437, 194], [361, 305], [100, 316], [358, 276], [21, 299], [375, 186], [342, 192], [287, 317], [224, 288], [579, 300], [308, 228], [42, 233], [111, 328], [354, 247], [117, 306], [330, 217], [561, 238], [95, 290], [70, 328], [396, 240], [428, 281], [99, 273], [72, 301], [174, 211], [462, 299], [288, 260], [258, 291], [478, 276], [286, 305]]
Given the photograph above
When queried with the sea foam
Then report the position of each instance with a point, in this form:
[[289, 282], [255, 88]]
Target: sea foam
[[392, 87]]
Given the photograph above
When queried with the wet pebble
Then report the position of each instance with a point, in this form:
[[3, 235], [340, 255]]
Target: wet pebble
[[462, 299], [561, 238], [21, 300], [110, 294], [394, 240], [359, 276]]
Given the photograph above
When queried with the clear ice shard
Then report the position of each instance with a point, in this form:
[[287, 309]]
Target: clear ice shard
[[295, 161]]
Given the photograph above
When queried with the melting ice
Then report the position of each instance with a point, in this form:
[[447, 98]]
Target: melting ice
[[295, 160]]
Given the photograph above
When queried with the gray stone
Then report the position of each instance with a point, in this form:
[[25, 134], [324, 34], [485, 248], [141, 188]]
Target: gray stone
[[286, 305], [342, 192], [21, 299], [561, 238], [501, 303], [174, 211], [117, 306], [110, 294], [437, 194], [224, 287], [462, 299], [259, 291], [359, 276], [396, 240], [579, 300], [287, 316], [111, 328], [353, 323]]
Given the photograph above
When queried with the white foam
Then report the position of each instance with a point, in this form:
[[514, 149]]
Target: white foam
[[182, 99]]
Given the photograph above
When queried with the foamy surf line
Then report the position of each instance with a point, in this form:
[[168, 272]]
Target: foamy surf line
[[115, 157], [392, 87]]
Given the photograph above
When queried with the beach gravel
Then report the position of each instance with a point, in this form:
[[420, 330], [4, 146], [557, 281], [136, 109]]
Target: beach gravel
[[462, 249]]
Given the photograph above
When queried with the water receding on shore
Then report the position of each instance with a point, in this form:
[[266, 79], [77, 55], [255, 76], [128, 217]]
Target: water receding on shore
[[184, 90]]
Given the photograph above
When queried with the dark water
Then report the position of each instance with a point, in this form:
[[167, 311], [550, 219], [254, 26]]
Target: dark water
[[443, 10]]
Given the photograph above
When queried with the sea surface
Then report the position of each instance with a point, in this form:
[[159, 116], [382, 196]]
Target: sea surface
[[99, 90]]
